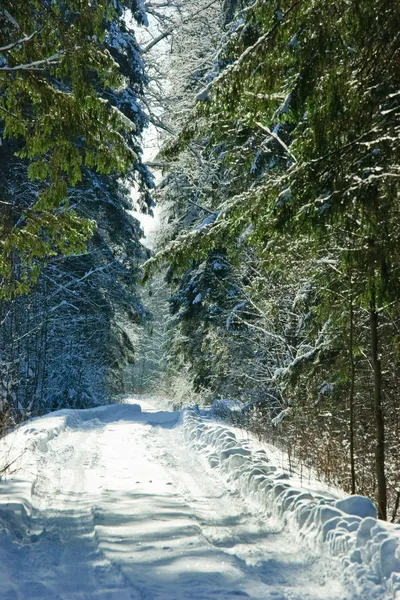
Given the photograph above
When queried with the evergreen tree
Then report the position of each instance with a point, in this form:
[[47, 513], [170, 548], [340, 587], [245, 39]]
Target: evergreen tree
[[67, 342], [54, 58], [303, 113]]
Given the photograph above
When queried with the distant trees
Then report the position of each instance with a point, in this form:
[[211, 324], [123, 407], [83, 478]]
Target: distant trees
[[292, 153]]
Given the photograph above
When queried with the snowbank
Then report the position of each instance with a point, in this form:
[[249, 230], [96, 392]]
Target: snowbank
[[19, 455], [347, 527], [21, 450]]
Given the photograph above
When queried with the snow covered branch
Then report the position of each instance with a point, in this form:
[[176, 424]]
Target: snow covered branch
[[38, 65], [23, 40]]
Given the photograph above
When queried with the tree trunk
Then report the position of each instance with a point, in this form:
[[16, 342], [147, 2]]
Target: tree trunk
[[351, 399], [379, 423]]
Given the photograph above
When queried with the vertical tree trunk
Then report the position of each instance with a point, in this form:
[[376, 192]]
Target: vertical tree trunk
[[379, 423], [351, 398], [43, 356]]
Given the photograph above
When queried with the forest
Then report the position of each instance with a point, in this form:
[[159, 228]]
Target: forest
[[272, 280]]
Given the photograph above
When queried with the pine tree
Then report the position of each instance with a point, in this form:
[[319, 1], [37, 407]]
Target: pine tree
[[304, 112], [54, 59], [67, 342]]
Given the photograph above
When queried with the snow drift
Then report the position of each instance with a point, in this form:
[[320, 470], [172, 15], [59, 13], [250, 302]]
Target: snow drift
[[347, 527]]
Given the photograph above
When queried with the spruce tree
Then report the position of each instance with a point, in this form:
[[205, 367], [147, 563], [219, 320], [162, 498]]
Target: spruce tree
[[54, 59], [67, 342], [305, 113]]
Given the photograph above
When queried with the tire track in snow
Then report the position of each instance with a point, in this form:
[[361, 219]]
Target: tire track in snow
[[265, 553], [67, 562], [128, 511]]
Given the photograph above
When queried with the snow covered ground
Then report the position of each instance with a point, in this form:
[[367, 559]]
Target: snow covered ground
[[138, 502]]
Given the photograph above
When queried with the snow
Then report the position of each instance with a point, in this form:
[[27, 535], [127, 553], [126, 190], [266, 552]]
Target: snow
[[284, 109], [203, 95], [357, 505], [284, 197], [327, 521], [197, 299], [232, 314], [281, 417], [137, 501], [208, 220]]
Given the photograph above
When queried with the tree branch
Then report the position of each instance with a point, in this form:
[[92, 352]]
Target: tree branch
[[171, 30], [21, 41], [277, 139], [37, 65], [10, 18], [156, 40]]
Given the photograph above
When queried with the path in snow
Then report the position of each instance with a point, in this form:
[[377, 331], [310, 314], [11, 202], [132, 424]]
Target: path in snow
[[123, 509]]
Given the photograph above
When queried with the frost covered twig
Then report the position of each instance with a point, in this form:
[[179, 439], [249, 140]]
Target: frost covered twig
[[23, 40], [38, 65], [277, 139]]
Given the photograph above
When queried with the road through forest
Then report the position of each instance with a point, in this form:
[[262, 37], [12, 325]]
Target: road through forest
[[116, 505]]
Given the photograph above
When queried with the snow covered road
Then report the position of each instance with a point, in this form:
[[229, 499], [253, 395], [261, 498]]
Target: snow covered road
[[112, 503]]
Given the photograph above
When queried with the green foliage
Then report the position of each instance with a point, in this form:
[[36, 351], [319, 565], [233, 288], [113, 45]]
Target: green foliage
[[314, 86], [53, 60], [302, 118], [44, 235]]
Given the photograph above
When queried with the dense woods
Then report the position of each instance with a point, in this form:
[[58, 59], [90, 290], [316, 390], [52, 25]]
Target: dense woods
[[282, 197], [71, 79], [277, 254]]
